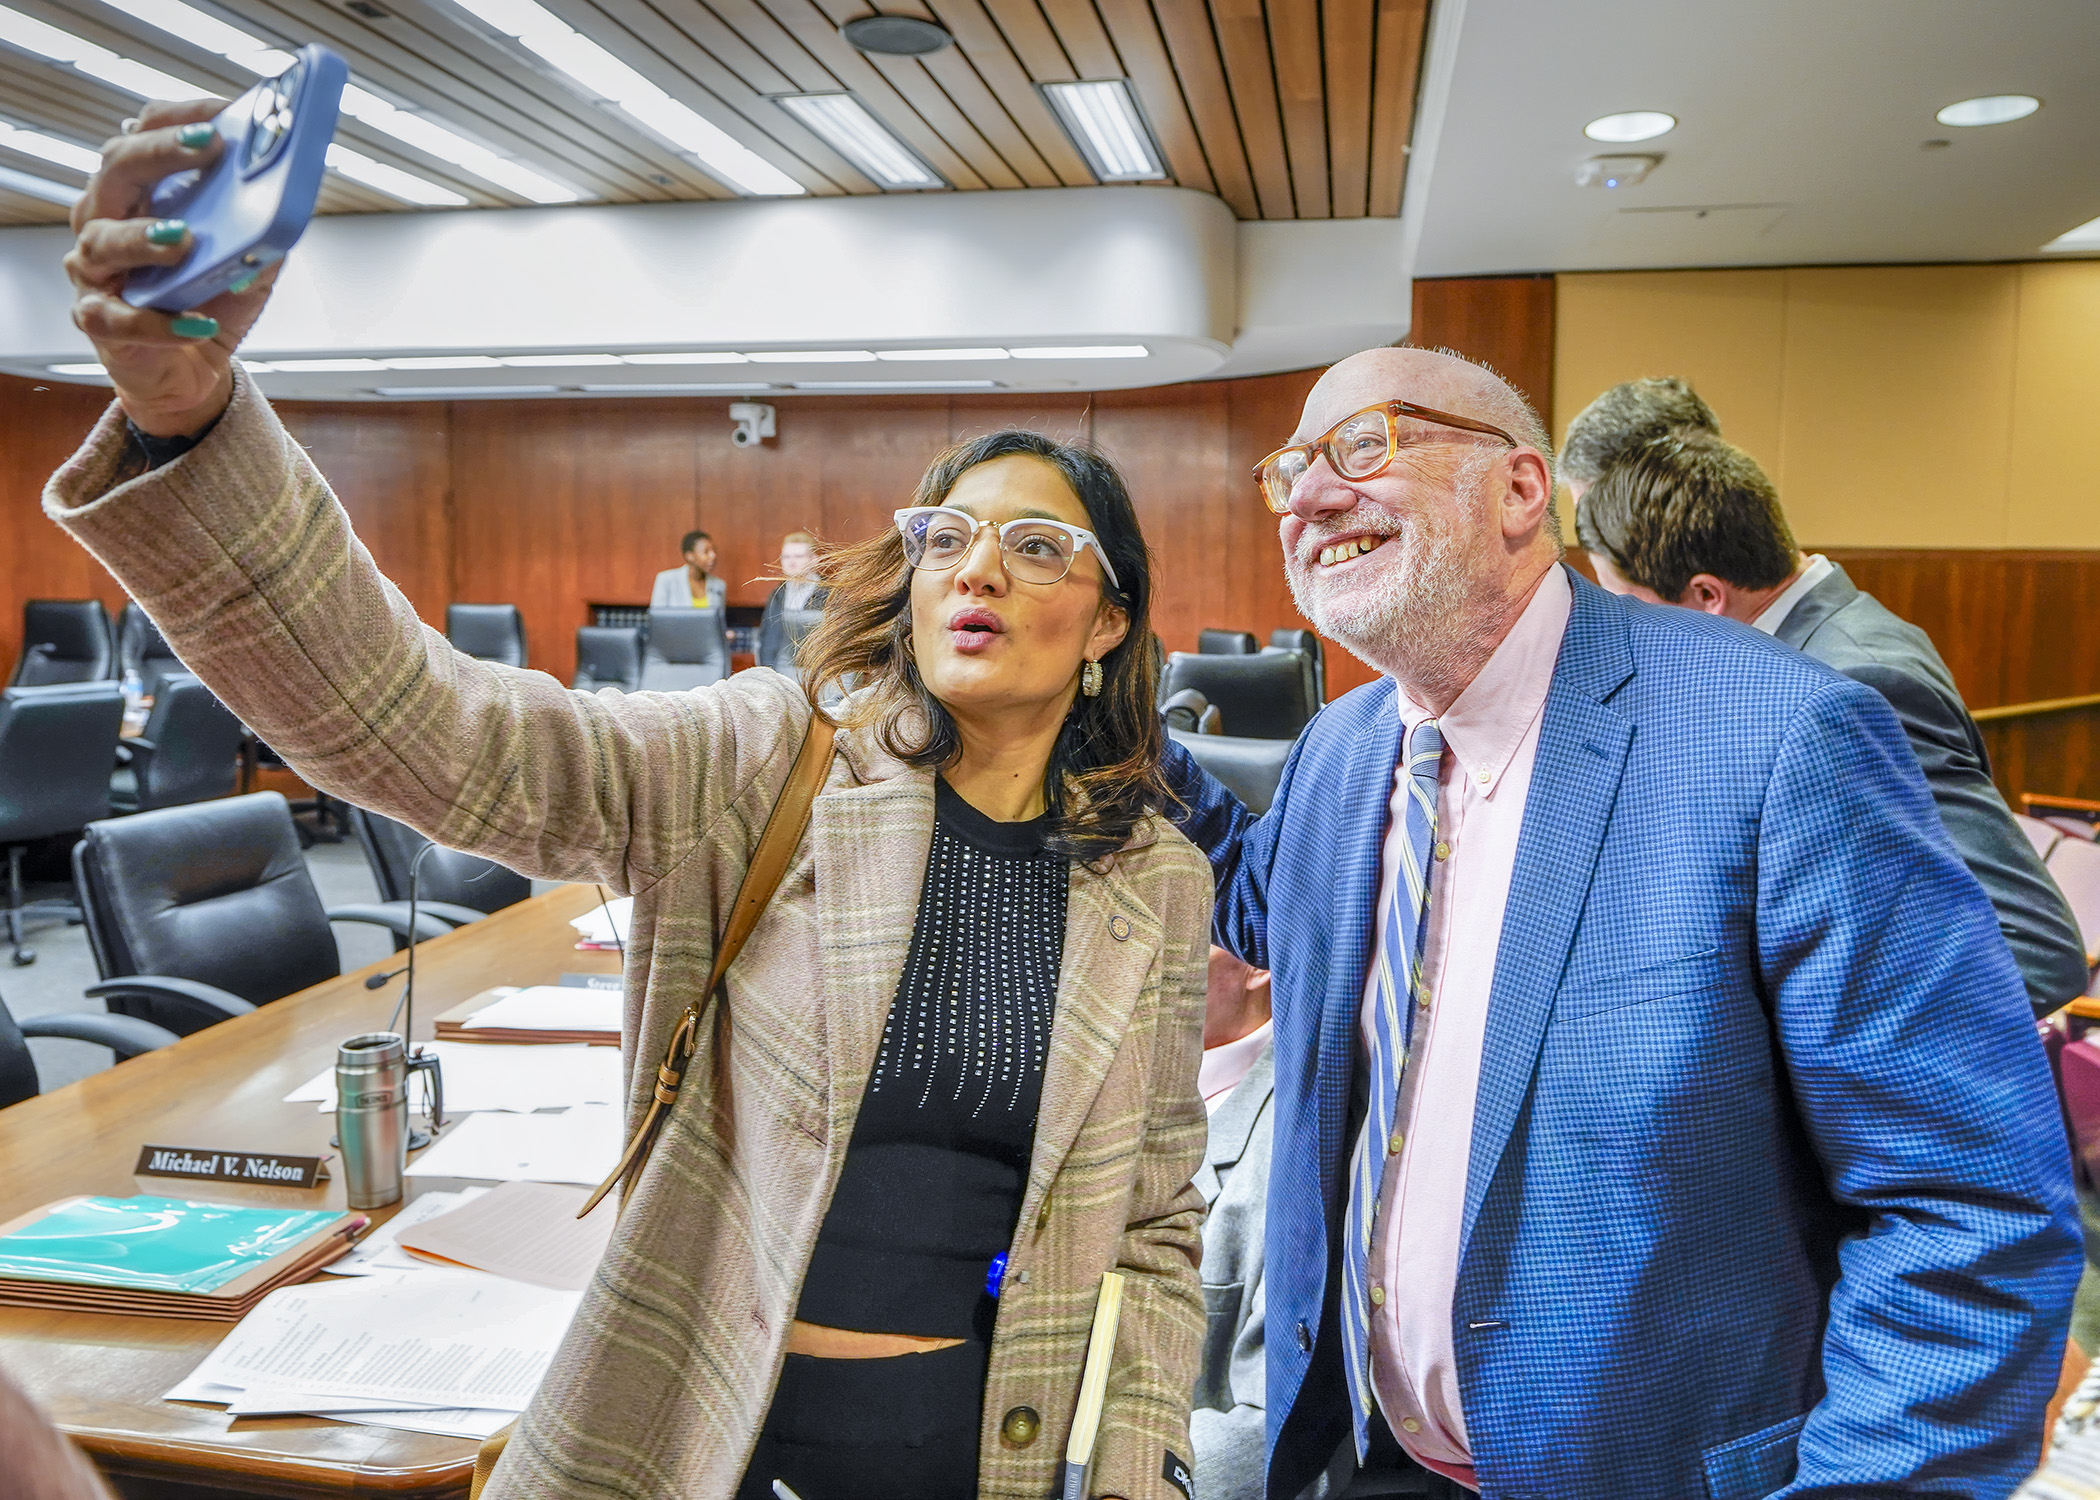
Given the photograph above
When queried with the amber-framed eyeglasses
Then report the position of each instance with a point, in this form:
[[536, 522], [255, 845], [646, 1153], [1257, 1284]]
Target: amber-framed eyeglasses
[[1357, 447]]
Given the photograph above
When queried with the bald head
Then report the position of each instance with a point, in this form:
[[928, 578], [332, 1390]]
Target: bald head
[[1428, 377]]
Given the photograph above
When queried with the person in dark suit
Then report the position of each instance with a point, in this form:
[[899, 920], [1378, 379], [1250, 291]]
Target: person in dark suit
[[1658, 1112], [794, 608], [1686, 518]]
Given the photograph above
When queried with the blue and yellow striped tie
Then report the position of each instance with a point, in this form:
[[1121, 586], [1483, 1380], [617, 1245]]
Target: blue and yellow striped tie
[[1400, 995]]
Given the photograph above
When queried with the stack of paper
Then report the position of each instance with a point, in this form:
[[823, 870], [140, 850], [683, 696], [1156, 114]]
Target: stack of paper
[[380, 1251], [526, 1231], [518, 1079], [538, 1013], [606, 926], [580, 1145], [445, 1351], [163, 1257]]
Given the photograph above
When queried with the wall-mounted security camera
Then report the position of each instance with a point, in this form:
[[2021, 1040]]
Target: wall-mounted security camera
[[754, 423]]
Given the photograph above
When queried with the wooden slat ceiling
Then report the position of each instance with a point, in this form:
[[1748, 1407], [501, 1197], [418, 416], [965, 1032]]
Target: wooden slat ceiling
[[1285, 109]]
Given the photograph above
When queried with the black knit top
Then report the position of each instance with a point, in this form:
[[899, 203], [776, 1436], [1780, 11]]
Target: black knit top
[[933, 1177]]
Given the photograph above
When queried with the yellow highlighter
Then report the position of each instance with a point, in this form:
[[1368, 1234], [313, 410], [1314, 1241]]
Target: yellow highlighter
[[1093, 1386]]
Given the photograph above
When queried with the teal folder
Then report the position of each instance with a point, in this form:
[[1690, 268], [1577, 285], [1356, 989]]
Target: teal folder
[[154, 1244]]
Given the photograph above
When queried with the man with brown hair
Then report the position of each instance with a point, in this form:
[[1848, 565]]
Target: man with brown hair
[[1690, 519]]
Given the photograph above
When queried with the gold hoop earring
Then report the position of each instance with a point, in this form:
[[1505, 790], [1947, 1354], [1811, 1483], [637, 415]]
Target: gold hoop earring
[[1090, 679]]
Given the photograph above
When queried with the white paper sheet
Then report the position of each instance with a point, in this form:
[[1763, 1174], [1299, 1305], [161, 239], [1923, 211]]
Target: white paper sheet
[[439, 1338], [551, 1007], [446, 1421], [381, 1250], [451, 1421], [484, 1076], [580, 1145], [601, 923]]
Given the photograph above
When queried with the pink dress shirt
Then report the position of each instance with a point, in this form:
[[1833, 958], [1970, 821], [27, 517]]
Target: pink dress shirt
[[1491, 736], [1226, 1066]]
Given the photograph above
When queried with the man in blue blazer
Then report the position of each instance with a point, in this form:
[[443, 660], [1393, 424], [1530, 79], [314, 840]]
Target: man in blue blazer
[[1658, 1110]]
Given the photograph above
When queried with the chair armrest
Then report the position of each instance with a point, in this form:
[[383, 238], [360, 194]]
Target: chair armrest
[[448, 911], [393, 916], [188, 997], [127, 1036]]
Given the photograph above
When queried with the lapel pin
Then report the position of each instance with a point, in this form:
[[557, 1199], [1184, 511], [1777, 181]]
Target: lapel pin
[[1119, 927]]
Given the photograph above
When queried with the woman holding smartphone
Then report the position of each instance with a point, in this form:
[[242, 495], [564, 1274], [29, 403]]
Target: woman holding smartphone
[[952, 1078]]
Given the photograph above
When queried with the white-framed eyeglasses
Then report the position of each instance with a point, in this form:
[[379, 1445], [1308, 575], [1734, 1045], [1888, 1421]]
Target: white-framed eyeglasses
[[1033, 550]]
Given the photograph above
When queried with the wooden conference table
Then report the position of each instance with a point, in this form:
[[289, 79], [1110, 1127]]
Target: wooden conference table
[[100, 1377]]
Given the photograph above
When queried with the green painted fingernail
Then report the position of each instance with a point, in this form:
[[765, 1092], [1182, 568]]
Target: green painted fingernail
[[196, 135], [167, 232], [247, 279], [194, 326]]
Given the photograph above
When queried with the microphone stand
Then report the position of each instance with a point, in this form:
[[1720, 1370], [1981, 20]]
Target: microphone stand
[[405, 1007]]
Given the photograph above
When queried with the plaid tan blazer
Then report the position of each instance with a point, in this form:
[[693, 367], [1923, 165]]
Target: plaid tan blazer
[[244, 559]]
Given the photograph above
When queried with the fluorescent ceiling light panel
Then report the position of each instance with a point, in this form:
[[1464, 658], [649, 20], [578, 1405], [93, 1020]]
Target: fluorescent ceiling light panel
[[258, 57], [32, 35], [443, 362], [603, 76], [258, 367], [557, 361], [1633, 125], [2084, 237], [1083, 351], [1991, 109], [905, 354], [675, 390], [896, 385], [848, 128], [440, 392], [38, 187], [813, 357], [48, 147], [687, 357], [324, 366], [392, 181], [1104, 123], [76, 370]]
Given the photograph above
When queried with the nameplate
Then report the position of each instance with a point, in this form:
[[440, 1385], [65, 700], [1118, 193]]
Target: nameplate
[[261, 1167]]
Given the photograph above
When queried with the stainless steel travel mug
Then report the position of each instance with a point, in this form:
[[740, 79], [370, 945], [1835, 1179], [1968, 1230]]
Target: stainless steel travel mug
[[371, 1117]]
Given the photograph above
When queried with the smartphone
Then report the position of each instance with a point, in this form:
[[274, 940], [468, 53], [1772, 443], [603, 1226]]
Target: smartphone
[[251, 205]]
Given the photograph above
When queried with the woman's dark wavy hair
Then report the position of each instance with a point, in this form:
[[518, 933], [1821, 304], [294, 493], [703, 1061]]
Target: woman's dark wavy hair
[[1104, 772]]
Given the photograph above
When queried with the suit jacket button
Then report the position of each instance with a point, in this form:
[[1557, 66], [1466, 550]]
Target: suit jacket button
[[1020, 1426], [1304, 1337]]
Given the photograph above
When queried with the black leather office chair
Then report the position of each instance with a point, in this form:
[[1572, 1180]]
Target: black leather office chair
[[64, 640], [608, 656], [1189, 710], [1264, 696], [1315, 651], [127, 1036], [687, 648], [1250, 769], [1225, 643], [492, 632], [190, 750], [199, 913], [57, 744], [141, 648], [455, 888]]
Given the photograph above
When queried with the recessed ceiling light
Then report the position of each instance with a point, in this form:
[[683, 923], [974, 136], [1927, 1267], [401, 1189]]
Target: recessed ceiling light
[[896, 385], [896, 36], [88, 369], [49, 147], [1104, 122], [443, 362], [849, 129], [602, 76], [557, 361], [812, 357], [391, 180], [325, 366], [687, 357], [1633, 125], [679, 389], [907, 354], [2084, 237], [38, 187], [1082, 351], [440, 392], [36, 36], [1990, 109]]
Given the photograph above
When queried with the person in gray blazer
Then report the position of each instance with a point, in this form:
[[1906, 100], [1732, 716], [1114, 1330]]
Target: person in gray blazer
[[1237, 1081], [1687, 519], [692, 581]]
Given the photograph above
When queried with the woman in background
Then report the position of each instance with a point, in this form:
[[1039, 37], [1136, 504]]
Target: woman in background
[[952, 1079]]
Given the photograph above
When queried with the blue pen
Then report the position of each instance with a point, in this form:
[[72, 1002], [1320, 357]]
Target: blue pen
[[996, 1276]]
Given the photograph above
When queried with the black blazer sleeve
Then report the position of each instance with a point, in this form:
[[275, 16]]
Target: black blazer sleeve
[[771, 629]]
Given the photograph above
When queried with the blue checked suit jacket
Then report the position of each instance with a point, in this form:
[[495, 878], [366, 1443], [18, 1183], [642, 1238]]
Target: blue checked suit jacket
[[1768, 1190]]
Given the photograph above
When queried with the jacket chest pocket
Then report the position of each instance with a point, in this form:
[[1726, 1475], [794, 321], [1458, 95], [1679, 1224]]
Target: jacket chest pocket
[[1599, 994], [1753, 1466]]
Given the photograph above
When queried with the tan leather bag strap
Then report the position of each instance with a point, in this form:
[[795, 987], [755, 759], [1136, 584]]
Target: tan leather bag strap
[[769, 866]]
